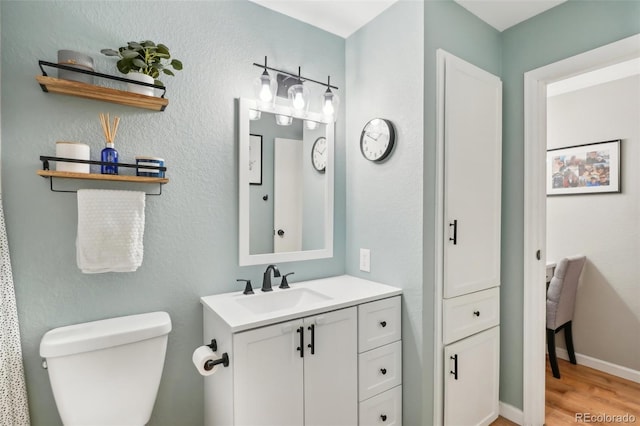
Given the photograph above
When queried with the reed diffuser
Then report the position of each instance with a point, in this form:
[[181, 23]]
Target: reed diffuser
[[109, 153]]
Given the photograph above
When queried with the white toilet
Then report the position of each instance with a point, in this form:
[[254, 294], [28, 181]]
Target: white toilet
[[106, 373]]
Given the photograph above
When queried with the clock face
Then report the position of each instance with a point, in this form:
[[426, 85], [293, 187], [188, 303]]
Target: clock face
[[319, 154], [377, 139]]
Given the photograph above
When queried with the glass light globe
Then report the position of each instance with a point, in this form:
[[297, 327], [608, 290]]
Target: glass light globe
[[330, 103], [265, 89], [299, 98], [283, 120]]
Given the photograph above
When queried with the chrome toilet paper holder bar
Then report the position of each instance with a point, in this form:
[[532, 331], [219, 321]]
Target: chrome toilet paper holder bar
[[224, 359]]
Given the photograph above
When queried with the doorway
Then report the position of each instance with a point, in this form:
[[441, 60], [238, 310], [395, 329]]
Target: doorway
[[535, 144]]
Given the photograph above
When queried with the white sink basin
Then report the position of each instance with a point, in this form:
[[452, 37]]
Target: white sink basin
[[263, 303], [242, 312]]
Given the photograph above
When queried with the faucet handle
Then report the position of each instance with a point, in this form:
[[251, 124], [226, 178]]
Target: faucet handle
[[247, 289], [284, 283]]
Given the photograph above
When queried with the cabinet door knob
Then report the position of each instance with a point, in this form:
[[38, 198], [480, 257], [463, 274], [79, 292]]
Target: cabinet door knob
[[476, 313], [383, 324], [383, 417], [383, 371]]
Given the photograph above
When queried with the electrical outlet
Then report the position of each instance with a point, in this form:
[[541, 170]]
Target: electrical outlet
[[365, 260]]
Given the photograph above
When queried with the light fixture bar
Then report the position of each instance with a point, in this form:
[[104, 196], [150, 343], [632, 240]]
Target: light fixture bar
[[292, 74]]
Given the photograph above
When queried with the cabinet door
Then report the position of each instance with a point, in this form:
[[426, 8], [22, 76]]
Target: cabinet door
[[268, 376], [472, 178], [330, 372], [471, 379]]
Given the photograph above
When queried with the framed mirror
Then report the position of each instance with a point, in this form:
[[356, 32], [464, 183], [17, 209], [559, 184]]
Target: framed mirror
[[286, 178]]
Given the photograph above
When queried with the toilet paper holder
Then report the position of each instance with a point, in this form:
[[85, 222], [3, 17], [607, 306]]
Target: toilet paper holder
[[224, 359]]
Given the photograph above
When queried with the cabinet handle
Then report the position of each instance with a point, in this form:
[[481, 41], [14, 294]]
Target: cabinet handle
[[312, 345], [455, 366], [455, 232], [476, 313], [383, 371], [383, 324], [383, 417], [300, 348]]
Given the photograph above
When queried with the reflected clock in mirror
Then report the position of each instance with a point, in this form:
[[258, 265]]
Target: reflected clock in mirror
[[290, 215]]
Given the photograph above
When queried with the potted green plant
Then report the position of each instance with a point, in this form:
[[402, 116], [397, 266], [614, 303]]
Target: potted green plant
[[147, 59]]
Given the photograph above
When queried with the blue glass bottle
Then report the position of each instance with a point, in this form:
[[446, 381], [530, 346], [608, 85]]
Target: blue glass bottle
[[109, 154]]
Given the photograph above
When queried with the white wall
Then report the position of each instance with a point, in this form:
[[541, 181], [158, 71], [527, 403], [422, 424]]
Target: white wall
[[606, 227]]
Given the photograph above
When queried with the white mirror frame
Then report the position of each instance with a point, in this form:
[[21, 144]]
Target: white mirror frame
[[244, 256]]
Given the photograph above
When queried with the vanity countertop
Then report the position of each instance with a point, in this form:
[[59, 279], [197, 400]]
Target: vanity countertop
[[242, 312]]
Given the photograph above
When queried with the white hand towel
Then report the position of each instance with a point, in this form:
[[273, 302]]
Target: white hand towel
[[110, 230]]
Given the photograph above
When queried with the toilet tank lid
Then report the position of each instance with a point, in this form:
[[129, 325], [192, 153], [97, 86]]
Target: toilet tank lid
[[95, 335]]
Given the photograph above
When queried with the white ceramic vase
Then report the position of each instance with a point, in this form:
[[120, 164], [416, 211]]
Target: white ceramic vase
[[136, 88]]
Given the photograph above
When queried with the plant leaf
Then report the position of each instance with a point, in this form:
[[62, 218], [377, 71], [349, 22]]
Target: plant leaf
[[135, 46], [110, 52], [138, 63], [176, 64], [163, 49], [129, 54], [158, 83], [168, 72]]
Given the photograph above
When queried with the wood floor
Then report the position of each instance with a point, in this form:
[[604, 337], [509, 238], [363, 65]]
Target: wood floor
[[591, 393]]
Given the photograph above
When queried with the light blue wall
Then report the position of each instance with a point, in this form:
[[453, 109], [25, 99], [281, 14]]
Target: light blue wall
[[564, 31], [384, 201], [450, 27], [191, 230]]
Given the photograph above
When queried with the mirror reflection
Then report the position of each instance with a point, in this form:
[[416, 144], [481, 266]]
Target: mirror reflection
[[287, 200], [286, 185]]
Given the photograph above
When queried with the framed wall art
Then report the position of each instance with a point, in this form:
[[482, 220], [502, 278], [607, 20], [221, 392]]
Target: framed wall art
[[592, 168]]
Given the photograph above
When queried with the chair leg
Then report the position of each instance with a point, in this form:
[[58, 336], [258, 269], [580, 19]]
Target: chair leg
[[551, 345], [568, 338]]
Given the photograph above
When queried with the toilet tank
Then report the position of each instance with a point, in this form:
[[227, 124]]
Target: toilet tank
[[107, 372]]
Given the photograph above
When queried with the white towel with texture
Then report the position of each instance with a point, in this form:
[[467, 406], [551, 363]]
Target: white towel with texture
[[110, 230]]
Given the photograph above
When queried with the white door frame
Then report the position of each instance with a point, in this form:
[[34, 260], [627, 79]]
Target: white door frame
[[535, 146]]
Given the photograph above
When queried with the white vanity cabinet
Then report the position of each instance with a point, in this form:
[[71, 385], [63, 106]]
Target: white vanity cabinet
[[334, 362], [471, 159], [301, 372]]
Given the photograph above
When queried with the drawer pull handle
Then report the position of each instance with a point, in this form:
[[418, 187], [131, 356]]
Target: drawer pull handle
[[455, 366], [300, 348], [383, 417], [476, 313], [312, 345], [383, 371], [383, 324]]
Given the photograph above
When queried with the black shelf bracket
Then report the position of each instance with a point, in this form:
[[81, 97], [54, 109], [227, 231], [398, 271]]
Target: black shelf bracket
[[46, 166], [43, 64]]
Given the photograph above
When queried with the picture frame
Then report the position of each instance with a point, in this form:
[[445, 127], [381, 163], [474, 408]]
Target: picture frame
[[592, 168], [255, 159]]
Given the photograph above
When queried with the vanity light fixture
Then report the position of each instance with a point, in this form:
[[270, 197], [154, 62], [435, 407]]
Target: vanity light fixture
[[311, 125], [265, 87], [284, 120], [255, 114], [330, 101], [298, 94]]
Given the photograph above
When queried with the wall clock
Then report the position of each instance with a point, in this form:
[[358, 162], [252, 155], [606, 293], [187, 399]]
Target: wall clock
[[377, 139], [319, 154]]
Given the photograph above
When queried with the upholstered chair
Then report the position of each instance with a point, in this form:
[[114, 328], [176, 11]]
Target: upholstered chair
[[561, 300]]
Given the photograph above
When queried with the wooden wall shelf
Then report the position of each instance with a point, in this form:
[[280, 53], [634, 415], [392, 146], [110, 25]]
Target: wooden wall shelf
[[97, 176], [99, 93]]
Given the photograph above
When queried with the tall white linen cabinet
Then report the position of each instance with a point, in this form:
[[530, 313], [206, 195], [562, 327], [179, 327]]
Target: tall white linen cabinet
[[470, 162]]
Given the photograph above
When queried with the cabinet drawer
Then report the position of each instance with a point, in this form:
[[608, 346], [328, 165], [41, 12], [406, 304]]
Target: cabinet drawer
[[471, 313], [384, 409], [379, 323], [379, 369]]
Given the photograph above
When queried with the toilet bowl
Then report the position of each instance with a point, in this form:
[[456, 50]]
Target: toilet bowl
[[107, 372]]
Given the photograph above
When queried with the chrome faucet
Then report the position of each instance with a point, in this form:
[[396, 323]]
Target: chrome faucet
[[266, 281]]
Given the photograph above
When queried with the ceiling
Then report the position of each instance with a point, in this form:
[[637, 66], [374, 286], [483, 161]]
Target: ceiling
[[344, 17]]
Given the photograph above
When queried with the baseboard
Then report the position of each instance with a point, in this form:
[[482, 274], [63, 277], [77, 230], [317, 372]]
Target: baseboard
[[597, 364], [512, 413]]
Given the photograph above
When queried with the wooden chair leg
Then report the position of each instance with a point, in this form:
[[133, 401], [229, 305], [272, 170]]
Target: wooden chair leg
[[551, 346], [568, 338]]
